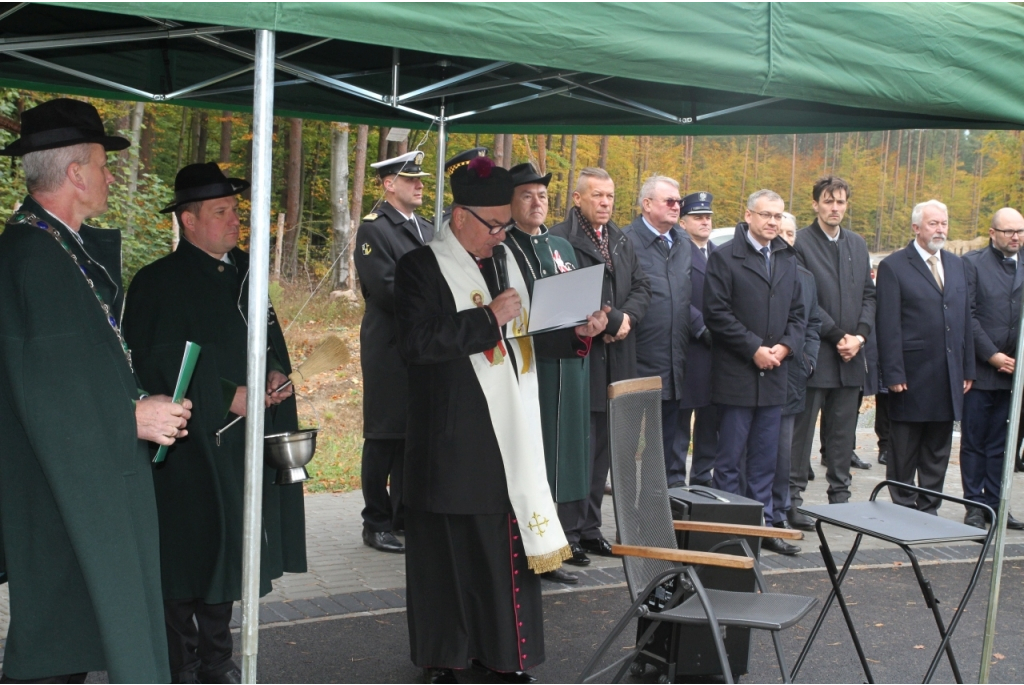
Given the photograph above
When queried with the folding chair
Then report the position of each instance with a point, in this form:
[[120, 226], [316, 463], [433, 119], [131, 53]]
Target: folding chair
[[651, 558]]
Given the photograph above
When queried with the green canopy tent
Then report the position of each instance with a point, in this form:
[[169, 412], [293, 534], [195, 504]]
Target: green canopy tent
[[599, 68]]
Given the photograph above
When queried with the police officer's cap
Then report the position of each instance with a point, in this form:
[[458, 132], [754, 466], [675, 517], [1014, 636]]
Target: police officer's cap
[[463, 158], [525, 173], [203, 181], [59, 123], [482, 184], [410, 165], [697, 203]]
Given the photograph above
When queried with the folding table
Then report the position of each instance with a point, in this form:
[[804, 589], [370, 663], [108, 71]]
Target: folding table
[[904, 527]]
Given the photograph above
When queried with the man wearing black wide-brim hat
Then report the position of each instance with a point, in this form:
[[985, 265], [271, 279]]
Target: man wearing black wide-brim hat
[[200, 293], [80, 531]]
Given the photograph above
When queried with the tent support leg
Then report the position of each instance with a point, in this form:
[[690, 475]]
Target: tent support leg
[[256, 361], [442, 152], [1009, 459]]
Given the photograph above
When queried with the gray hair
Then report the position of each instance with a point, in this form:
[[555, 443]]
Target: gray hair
[[786, 216], [45, 170], [764, 193], [649, 186], [588, 173], [915, 216]]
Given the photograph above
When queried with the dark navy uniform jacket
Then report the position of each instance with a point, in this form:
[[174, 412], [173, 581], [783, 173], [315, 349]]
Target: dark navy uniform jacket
[[994, 283]]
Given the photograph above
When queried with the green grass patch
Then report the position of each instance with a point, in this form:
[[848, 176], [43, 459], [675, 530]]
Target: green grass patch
[[337, 464]]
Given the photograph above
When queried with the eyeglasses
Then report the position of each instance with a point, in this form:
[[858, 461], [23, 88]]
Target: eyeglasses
[[769, 215], [1011, 232], [673, 201], [492, 229]]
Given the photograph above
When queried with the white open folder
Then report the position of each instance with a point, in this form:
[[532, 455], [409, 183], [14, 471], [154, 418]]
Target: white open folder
[[565, 300]]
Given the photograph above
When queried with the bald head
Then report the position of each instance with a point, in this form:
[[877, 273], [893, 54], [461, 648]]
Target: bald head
[[1007, 231]]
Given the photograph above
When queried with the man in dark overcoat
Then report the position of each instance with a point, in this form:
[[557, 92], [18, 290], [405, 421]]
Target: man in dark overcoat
[[563, 363], [801, 367], [78, 511], [199, 293], [626, 292], [664, 334], [387, 233], [926, 353], [695, 218], [754, 308], [839, 260], [994, 279], [481, 522]]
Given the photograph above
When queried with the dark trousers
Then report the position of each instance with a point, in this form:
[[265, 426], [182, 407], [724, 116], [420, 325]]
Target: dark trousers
[[705, 441], [780, 486], [205, 647], [674, 446], [983, 443], [918, 448], [382, 459], [581, 520], [838, 407], [882, 421], [755, 430], [72, 678]]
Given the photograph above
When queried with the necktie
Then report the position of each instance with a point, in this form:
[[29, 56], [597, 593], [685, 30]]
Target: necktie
[[933, 262], [767, 260], [663, 243], [704, 252]]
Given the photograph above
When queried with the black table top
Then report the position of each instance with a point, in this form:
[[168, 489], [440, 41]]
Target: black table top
[[896, 524]]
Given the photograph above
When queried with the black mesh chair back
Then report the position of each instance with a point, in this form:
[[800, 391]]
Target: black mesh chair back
[[639, 486]]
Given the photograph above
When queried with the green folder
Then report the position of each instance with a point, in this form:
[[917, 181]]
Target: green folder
[[188, 365]]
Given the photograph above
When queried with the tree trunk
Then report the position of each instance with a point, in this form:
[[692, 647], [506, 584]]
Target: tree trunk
[[571, 185], [954, 164], [602, 159], [881, 192], [743, 183], [341, 215], [542, 155], [976, 208], [137, 114], [181, 138], [529, 152], [757, 159], [507, 140], [204, 136], [792, 176], [193, 141], [917, 165], [403, 146], [226, 122], [293, 197], [382, 143], [146, 141], [896, 179], [499, 149], [688, 147], [824, 158], [358, 185], [910, 152], [1020, 174]]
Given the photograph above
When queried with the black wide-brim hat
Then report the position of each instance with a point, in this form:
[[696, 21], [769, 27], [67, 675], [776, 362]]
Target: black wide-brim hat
[[60, 123], [525, 173], [204, 181], [481, 184]]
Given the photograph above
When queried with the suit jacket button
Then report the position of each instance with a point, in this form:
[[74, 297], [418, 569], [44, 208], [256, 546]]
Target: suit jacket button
[[762, 373], [220, 268]]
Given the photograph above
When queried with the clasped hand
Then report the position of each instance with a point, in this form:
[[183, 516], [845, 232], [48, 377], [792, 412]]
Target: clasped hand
[[769, 357], [160, 420]]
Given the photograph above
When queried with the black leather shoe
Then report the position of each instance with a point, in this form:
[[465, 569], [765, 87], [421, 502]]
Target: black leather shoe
[[233, 675], [505, 677], [598, 546], [442, 675], [560, 575], [858, 463], [883, 457], [579, 557], [799, 521], [383, 541], [810, 474], [975, 517], [779, 546], [1014, 524]]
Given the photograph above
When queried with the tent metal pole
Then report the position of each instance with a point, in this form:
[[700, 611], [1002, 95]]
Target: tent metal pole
[[71, 40], [1009, 459], [4, 15], [430, 90], [442, 152], [82, 75], [256, 361]]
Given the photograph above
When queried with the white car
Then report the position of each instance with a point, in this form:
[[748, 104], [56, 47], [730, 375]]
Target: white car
[[721, 235]]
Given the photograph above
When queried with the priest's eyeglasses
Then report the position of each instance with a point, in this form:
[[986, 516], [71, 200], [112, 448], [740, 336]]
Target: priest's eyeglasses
[[492, 228]]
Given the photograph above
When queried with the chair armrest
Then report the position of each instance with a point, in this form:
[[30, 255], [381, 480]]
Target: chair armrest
[[684, 556], [738, 529]]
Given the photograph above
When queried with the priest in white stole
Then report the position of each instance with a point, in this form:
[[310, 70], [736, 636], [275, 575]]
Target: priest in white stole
[[480, 522]]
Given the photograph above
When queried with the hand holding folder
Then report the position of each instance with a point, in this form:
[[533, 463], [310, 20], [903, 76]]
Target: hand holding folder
[[188, 366]]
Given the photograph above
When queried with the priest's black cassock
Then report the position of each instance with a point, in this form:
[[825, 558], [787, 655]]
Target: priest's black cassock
[[459, 515]]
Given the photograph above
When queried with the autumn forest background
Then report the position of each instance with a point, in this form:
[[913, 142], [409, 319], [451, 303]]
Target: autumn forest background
[[323, 184]]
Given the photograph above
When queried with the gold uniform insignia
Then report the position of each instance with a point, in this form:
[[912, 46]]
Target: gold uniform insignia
[[372, 216], [367, 249]]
